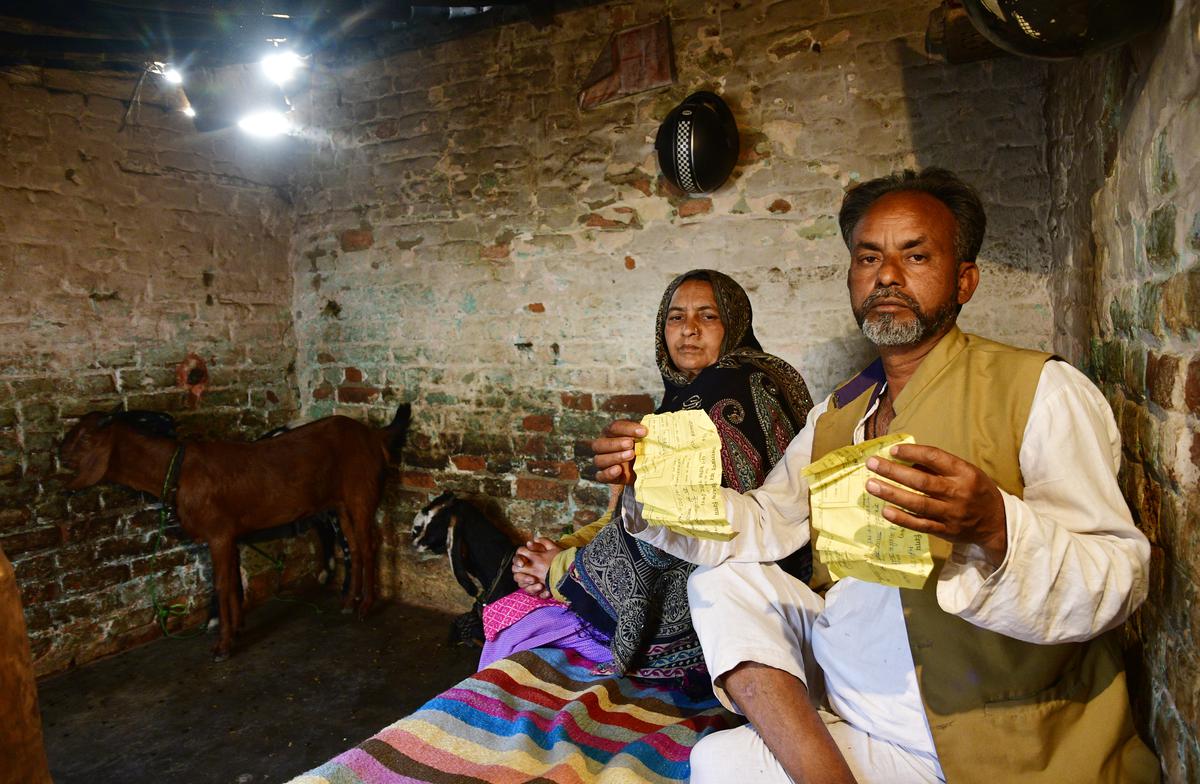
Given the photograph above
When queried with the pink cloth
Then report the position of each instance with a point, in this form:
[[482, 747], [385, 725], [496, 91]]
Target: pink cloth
[[548, 626], [506, 611]]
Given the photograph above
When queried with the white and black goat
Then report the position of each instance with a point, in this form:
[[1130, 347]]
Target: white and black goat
[[480, 552]]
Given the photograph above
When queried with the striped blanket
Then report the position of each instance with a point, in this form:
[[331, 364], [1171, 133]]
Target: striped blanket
[[538, 715]]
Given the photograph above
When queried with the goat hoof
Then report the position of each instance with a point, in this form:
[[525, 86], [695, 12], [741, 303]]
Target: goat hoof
[[213, 625], [220, 657]]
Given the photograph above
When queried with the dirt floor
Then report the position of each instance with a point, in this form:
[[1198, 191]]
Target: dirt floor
[[301, 687]]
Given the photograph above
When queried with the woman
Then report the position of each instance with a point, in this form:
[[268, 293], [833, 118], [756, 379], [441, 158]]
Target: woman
[[618, 601]]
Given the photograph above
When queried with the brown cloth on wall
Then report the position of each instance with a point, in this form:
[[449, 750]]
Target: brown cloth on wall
[[22, 755]]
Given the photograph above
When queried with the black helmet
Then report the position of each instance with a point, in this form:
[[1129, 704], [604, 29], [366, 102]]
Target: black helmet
[[698, 143]]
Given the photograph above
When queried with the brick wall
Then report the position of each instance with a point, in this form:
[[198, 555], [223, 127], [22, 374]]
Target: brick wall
[[449, 229], [121, 251], [1124, 128], [471, 241]]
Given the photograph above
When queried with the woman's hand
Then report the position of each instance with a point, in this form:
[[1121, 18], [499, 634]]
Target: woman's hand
[[531, 565], [613, 452]]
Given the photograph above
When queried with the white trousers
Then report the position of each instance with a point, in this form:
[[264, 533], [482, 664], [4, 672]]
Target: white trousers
[[758, 613]]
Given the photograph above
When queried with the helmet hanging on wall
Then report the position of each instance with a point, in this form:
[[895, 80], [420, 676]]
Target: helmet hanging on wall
[[697, 143]]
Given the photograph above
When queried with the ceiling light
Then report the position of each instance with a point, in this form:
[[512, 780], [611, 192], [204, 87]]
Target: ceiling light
[[268, 123], [173, 76], [189, 111], [281, 66]]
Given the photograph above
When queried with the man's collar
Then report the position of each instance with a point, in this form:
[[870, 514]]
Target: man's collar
[[873, 377], [938, 357]]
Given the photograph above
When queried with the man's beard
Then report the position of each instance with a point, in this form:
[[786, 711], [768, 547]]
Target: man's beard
[[885, 330]]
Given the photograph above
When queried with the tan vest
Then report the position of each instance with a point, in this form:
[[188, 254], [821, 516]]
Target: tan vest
[[1000, 709]]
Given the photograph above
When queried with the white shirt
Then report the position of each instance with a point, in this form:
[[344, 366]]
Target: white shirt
[[1076, 565]]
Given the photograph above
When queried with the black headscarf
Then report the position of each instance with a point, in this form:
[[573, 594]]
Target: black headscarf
[[636, 593]]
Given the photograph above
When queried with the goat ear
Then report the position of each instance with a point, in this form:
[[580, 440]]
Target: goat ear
[[94, 448]]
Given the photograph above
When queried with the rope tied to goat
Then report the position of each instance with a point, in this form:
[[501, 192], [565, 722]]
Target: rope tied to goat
[[166, 510]]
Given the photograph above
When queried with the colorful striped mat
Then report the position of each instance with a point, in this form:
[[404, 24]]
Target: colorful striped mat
[[539, 716]]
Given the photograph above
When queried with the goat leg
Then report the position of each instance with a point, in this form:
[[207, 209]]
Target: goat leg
[[353, 539], [224, 559], [364, 518]]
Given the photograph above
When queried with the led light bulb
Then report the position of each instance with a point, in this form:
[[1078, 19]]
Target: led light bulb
[[281, 66], [266, 123]]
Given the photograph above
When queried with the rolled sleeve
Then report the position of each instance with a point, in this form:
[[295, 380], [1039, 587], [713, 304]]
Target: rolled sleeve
[[1076, 564], [769, 523]]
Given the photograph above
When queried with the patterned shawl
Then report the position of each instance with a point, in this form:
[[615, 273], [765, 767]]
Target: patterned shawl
[[637, 594]]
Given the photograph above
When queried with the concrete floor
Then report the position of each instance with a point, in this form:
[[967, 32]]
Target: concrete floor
[[300, 688]]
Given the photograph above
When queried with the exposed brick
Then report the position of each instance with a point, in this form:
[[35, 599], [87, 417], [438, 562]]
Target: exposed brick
[[13, 518], [20, 542], [630, 262], [37, 567], [1161, 372], [628, 404], [356, 394], [780, 206], [695, 207], [96, 577], [353, 375], [553, 468], [534, 489], [356, 239], [323, 391], [495, 252], [469, 462], [533, 445], [591, 494], [117, 548], [40, 592], [417, 479], [536, 307], [579, 402], [538, 422], [585, 517], [597, 221], [1191, 389]]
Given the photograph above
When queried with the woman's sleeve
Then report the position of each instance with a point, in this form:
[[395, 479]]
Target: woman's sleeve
[[584, 535], [558, 569]]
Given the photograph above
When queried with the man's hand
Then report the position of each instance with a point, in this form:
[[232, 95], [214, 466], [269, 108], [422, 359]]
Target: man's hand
[[531, 565], [613, 452], [961, 503]]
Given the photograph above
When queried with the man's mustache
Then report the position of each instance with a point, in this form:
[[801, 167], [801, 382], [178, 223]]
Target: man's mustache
[[890, 294]]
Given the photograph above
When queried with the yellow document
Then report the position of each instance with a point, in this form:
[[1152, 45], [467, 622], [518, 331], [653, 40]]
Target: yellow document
[[678, 467], [855, 540]]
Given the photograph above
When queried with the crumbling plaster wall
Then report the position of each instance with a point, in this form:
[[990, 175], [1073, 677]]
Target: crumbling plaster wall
[[1124, 128], [469, 240], [121, 250]]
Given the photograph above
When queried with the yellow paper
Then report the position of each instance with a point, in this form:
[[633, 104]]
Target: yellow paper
[[678, 466], [855, 540]]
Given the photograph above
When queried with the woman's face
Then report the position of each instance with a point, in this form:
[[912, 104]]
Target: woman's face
[[694, 330]]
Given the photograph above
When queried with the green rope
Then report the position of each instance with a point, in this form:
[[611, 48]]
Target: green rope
[[162, 612], [279, 564], [276, 562]]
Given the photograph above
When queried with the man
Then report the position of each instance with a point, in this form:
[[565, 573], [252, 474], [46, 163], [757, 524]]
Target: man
[[1004, 666]]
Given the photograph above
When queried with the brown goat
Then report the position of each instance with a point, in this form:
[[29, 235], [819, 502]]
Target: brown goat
[[226, 489]]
